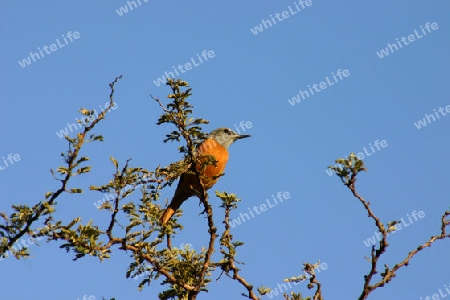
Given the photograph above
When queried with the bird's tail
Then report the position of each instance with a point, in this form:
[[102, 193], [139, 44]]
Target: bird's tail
[[167, 214], [171, 209], [182, 193]]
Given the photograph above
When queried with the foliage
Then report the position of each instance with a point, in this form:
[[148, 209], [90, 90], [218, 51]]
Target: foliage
[[185, 272]]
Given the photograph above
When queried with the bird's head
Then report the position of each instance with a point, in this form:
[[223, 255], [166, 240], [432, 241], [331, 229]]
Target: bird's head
[[226, 136]]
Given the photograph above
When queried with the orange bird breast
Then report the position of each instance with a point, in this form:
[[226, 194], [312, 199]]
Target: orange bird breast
[[188, 185], [220, 153]]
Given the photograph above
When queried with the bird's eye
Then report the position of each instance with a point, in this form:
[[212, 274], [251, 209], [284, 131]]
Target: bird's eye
[[226, 131]]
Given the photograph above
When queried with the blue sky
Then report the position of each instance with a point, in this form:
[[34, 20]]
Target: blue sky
[[251, 78]]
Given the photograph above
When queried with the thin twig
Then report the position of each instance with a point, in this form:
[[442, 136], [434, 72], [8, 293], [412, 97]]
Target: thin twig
[[231, 260], [388, 273], [71, 160]]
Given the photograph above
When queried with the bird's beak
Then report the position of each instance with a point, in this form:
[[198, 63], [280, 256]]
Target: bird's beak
[[242, 136]]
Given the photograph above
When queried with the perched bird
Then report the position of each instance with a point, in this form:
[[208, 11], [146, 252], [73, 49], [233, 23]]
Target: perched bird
[[216, 144]]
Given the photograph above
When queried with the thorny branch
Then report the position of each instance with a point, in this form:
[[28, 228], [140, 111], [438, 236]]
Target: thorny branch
[[347, 173], [226, 241], [203, 195], [44, 208]]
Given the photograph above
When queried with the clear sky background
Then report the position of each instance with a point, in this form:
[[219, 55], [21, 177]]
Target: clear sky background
[[250, 79]]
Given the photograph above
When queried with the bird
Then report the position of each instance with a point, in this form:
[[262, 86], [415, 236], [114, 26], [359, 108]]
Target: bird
[[216, 144]]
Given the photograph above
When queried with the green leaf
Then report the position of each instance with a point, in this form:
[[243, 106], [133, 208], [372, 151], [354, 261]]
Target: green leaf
[[85, 111], [82, 159], [62, 170], [83, 170], [114, 161], [98, 138]]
